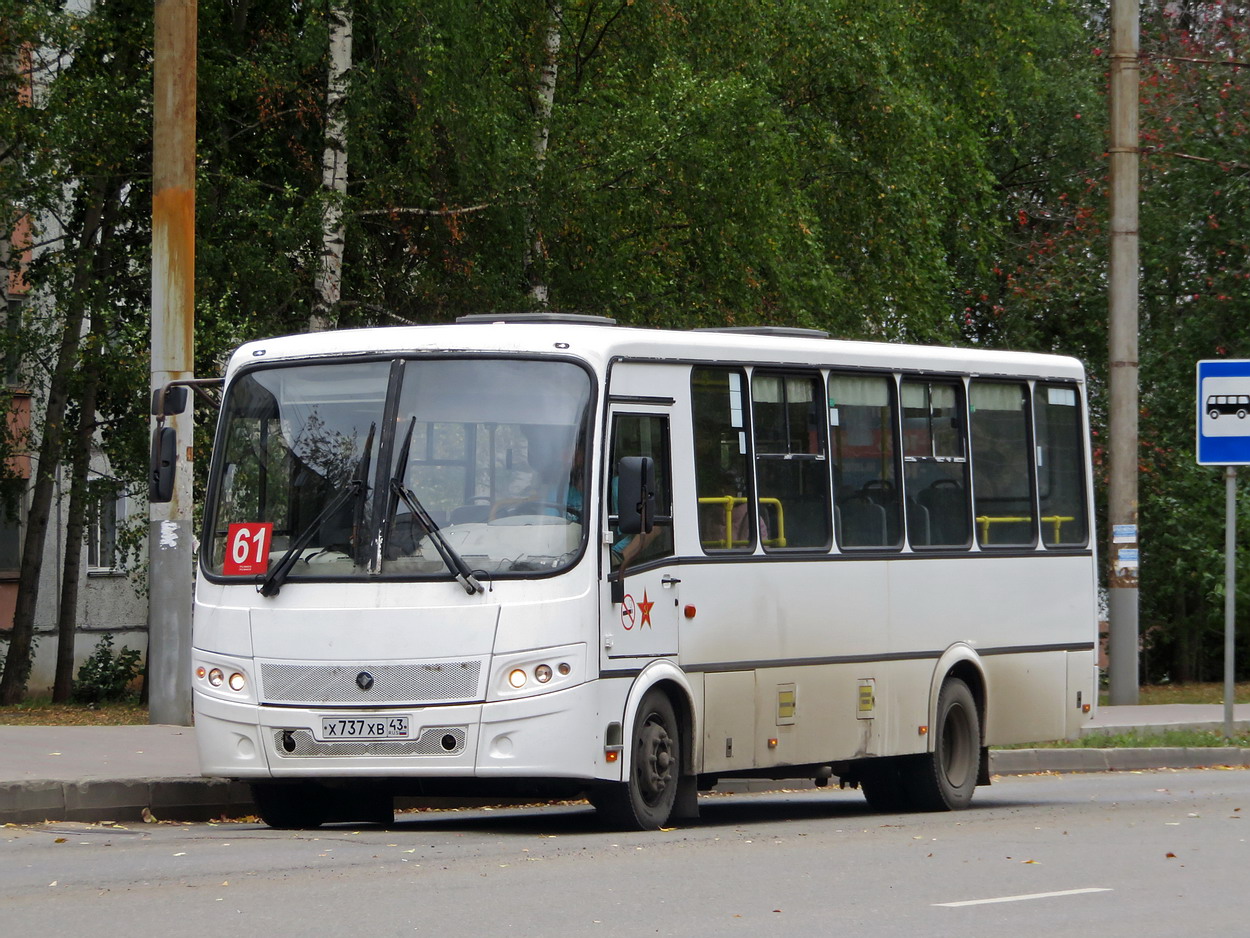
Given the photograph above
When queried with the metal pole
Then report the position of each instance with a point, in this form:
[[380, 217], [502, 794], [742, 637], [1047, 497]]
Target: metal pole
[[170, 548], [1230, 594], [1122, 581]]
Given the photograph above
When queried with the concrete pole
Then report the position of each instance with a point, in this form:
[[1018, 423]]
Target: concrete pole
[[1122, 293], [170, 550]]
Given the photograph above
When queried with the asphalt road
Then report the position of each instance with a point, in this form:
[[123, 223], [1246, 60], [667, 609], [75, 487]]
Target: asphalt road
[[1117, 854]]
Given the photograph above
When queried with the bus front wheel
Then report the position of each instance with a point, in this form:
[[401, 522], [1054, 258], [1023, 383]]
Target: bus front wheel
[[298, 806], [645, 800], [946, 777]]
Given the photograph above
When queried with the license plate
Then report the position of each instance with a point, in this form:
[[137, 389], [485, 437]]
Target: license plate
[[390, 727]]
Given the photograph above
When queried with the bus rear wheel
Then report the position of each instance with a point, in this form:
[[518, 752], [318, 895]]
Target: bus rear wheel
[[645, 800], [946, 778]]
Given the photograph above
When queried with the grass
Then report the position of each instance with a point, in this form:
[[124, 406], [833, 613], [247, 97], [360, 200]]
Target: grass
[[41, 711], [1205, 693], [1178, 739]]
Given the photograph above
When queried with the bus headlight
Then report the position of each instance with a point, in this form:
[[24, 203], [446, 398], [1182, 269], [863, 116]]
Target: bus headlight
[[216, 678], [237, 681], [541, 671]]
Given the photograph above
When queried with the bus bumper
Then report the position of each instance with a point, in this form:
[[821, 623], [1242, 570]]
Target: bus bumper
[[555, 735]]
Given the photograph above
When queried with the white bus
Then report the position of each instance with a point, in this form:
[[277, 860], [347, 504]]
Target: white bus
[[548, 555]]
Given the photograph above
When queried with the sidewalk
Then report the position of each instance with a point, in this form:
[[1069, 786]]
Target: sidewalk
[[98, 773]]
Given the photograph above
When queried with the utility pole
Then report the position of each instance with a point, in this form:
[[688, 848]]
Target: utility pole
[[1122, 293], [170, 550]]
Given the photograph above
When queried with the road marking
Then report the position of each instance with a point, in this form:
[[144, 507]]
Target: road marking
[[1033, 895]]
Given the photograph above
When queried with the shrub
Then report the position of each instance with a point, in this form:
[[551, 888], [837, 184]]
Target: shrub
[[105, 677]]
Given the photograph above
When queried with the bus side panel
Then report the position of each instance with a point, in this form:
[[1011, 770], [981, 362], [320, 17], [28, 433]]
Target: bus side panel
[[729, 721], [1082, 692], [1027, 697], [1022, 615]]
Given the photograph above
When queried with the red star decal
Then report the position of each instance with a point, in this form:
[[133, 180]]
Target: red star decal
[[645, 608]]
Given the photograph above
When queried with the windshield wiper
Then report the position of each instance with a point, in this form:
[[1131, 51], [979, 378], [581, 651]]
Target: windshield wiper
[[455, 563], [356, 486]]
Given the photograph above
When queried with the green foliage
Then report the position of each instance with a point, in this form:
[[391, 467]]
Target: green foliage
[[105, 676], [926, 170]]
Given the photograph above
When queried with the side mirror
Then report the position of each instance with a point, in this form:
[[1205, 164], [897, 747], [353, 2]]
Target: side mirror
[[168, 401], [164, 463], [635, 493]]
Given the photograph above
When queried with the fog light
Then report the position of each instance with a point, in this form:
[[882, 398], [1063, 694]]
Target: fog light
[[216, 678], [237, 681], [542, 673], [517, 678]]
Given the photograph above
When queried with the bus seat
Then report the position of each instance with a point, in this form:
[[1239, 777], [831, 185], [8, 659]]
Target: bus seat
[[948, 511], [918, 529], [861, 522], [470, 514]]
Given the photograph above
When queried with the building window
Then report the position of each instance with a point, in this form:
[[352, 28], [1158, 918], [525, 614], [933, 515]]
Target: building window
[[10, 541], [106, 513]]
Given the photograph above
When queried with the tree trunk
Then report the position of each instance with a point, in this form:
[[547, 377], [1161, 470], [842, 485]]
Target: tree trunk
[[79, 506], [18, 660], [535, 247], [329, 282]]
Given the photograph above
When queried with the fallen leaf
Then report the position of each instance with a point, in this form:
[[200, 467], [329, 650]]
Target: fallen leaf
[[1170, 855]]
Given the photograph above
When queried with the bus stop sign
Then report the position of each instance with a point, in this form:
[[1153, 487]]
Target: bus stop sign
[[1224, 413]]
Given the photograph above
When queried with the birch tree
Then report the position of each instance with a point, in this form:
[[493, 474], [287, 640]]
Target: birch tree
[[329, 282], [535, 249]]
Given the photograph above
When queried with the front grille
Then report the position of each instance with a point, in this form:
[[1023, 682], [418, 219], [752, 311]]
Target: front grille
[[433, 741], [391, 683]]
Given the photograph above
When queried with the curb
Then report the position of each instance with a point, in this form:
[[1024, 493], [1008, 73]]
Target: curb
[[165, 799], [1031, 761], [204, 799]]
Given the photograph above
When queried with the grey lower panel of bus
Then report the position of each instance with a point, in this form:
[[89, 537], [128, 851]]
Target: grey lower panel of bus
[[433, 741]]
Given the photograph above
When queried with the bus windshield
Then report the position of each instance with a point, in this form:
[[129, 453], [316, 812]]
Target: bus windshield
[[405, 468]]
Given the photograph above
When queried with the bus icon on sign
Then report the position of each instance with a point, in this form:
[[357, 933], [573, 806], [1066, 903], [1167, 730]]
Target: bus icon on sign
[[1225, 402], [1218, 404]]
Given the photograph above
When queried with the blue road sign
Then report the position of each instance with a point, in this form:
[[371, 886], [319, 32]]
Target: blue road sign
[[1224, 413]]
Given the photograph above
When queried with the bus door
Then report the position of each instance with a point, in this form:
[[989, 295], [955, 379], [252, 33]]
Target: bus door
[[641, 600]]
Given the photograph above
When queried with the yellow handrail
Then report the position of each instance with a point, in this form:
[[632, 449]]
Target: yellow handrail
[[986, 520], [730, 502]]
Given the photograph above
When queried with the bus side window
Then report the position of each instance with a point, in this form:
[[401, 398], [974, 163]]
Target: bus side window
[[935, 475], [1002, 483], [865, 463], [1060, 466], [642, 435], [791, 470], [722, 467]]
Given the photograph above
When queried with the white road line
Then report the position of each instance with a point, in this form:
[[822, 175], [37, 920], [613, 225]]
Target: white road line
[[1034, 895]]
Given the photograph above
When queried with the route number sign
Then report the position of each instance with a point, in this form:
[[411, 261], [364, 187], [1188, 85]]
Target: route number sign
[[247, 548]]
